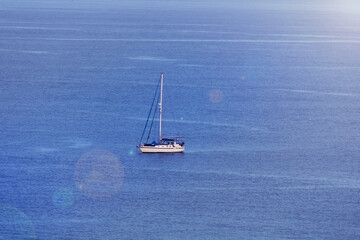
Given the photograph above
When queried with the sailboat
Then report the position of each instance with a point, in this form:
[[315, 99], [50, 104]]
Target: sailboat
[[164, 144]]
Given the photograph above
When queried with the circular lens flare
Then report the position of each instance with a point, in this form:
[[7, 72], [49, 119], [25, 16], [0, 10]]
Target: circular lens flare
[[216, 96], [63, 198], [14, 223], [98, 174]]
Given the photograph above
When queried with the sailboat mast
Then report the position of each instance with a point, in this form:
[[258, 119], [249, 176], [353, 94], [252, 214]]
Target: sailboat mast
[[160, 105]]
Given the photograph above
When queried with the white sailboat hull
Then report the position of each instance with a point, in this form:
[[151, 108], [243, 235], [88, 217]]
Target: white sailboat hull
[[162, 149]]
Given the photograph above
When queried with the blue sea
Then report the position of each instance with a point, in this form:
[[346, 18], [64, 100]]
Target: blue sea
[[266, 94]]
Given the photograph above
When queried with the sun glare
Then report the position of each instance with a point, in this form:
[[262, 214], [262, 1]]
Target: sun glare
[[349, 6]]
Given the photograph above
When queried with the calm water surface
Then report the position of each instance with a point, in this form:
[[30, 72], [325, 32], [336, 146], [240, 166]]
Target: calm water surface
[[267, 99]]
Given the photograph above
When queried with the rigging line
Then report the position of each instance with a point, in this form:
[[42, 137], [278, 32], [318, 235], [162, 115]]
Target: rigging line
[[147, 120], [152, 121]]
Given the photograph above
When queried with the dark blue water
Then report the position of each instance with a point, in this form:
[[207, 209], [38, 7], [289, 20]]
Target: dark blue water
[[266, 96]]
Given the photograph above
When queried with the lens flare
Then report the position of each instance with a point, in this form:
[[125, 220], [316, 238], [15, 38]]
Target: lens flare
[[131, 153], [216, 96], [99, 174], [63, 198], [13, 223]]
